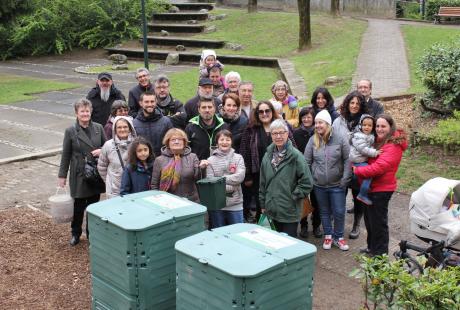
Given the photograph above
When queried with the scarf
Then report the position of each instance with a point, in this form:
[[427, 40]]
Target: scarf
[[163, 103], [170, 174], [278, 157], [353, 121]]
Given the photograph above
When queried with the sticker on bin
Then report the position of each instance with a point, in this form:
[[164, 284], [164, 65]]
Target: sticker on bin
[[167, 201], [267, 238]]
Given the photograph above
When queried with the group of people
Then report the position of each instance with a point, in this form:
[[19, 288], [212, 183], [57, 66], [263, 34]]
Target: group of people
[[273, 154]]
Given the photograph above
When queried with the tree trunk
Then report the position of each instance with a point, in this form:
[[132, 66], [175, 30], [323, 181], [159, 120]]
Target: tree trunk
[[335, 8], [304, 24], [252, 6]]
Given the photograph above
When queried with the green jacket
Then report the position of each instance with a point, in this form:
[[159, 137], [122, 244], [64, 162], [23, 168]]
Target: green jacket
[[281, 192]]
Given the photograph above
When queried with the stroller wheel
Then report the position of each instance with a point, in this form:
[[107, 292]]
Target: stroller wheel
[[412, 266]]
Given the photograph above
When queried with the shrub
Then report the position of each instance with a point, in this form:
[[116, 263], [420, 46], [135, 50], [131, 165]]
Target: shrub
[[439, 70], [447, 132], [387, 285], [432, 7]]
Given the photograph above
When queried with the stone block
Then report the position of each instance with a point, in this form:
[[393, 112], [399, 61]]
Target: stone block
[[174, 9], [192, 22], [333, 80], [234, 46], [164, 33], [203, 11], [120, 67], [210, 29], [221, 16], [172, 59], [180, 48], [118, 59]]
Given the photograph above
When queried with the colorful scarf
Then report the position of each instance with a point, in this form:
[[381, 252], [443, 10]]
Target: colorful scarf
[[170, 174], [277, 157]]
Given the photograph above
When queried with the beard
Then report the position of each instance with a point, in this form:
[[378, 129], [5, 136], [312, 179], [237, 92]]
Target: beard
[[204, 95], [105, 94]]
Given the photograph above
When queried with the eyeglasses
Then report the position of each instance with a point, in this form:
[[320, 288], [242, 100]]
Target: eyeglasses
[[267, 111], [142, 76], [278, 134], [176, 139]]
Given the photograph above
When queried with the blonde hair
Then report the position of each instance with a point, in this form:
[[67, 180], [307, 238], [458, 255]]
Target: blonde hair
[[175, 132], [317, 138]]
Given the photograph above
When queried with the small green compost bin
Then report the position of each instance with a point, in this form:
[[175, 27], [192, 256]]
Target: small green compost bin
[[244, 266], [132, 248], [212, 192]]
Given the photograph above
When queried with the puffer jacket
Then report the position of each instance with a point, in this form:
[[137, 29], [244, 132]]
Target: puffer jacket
[[190, 173], [109, 165], [361, 147], [231, 166], [153, 128], [330, 165]]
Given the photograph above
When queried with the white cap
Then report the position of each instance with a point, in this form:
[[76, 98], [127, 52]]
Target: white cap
[[324, 116], [206, 53]]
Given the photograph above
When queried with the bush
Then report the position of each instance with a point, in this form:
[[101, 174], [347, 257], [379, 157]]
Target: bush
[[409, 10], [439, 70], [432, 7], [59, 25], [447, 132], [387, 285]]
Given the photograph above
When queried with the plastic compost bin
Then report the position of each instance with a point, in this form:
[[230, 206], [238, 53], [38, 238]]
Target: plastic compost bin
[[212, 192], [132, 248], [244, 266]]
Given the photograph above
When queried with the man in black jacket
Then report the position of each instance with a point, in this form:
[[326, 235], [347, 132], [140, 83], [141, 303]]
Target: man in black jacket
[[144, 85], [170, 107], [205, 90], [102, 96], [373, 106]]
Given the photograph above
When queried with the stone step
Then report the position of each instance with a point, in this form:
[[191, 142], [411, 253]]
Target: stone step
[[194, 6], [187, 42], [161, 54], [180, 28], [179, 16]]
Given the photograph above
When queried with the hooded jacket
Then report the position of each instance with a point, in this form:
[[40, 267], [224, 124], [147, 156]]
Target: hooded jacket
[[202, 138], [109, 165], [362, 144], [231, 166], [383, 168], [101, 109], [190, 173], [153, 128]]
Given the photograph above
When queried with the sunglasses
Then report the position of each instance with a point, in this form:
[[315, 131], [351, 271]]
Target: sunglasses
[[267, 111]]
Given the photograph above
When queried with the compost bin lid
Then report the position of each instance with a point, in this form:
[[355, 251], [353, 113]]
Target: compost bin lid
[[244, 250], [143, 210]]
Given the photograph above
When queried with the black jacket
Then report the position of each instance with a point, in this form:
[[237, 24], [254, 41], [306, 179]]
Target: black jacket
[[102, 109], [302, 135], [153, 128], [374, 107], [133, 98], [201, 139], [170, 110], [191, 106], [236, 127]]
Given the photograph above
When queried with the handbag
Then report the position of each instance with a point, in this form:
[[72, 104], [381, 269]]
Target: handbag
[[90, 173], [307, 208]]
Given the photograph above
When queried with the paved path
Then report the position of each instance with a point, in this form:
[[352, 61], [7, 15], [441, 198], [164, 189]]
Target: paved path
[[38, 125], [382, 58]]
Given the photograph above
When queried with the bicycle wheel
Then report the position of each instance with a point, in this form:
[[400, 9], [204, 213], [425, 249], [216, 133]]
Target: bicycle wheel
[[412, 266]]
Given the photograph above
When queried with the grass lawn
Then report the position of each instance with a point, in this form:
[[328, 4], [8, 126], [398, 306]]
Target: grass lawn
[[420, 38], [184, 84], [132, 66], [17, 88], [336, 43]]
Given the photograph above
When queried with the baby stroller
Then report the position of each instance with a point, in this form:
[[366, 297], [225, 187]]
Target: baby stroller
[[435, 219]]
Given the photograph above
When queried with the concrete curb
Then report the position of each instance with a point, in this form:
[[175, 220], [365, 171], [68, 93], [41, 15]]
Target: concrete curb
[[37, 155]]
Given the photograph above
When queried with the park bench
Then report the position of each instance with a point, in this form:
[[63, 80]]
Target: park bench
[[446, 11]]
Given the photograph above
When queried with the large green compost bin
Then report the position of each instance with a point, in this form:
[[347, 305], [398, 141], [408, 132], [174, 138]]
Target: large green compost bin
[[244, 266], [132, 248]]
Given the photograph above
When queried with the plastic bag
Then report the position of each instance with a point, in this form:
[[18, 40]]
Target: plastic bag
[[266, 222], [61, 205]]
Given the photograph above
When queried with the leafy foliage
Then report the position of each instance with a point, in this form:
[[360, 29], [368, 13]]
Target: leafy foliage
[[447, 132], [387, 285], [432, 7], [11, 8], [59, 25]]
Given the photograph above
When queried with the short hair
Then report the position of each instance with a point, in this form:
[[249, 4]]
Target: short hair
[[365, 80], [244, 83], [279, 84], [225, 133], [232, 96], [139, 70], [161, 78], [118, 104], [232, 74], [175, 132], [326, 94], [278, 123], [83, 102], [305, 111], [215, 69], [147, 93], [204, 99]]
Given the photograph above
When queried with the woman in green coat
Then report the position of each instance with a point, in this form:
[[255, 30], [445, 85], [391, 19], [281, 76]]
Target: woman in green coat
[[83, 139], [285, 180]]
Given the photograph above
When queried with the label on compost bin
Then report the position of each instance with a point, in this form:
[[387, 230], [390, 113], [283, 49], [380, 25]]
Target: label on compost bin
[[267, 238], [167, 201]]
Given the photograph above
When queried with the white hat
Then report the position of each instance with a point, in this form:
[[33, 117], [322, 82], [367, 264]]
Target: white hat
[[206, 53], [324, 116]]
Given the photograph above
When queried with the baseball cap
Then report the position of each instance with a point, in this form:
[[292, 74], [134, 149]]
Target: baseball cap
[[104, 75], [205, 81]]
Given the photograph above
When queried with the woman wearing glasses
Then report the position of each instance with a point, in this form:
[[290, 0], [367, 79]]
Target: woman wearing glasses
[[254, 142]]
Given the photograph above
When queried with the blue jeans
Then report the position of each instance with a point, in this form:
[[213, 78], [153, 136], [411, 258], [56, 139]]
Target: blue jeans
[[331, 202], [365, 184], [221, 218]]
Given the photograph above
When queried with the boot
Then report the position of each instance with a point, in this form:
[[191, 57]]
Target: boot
[[303, 231], [354, 233]]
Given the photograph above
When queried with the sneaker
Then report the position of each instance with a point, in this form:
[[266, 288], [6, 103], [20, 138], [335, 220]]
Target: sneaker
[[327, 243], [364, 200], [341, 244]]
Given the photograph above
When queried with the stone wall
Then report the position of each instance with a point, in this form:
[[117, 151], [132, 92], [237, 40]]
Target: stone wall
[[381, 8]]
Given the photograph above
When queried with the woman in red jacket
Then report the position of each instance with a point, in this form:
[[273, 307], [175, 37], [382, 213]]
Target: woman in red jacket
[[382, 169]]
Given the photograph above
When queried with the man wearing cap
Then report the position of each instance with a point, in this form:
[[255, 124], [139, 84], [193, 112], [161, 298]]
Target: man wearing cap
[[374, 107], [170, 107], [144, 85], [205, 90], [102, 96]]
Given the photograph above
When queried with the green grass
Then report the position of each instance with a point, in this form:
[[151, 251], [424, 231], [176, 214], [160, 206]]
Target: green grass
[[418, 167], [420, 38], [132, 66], [336, 43], [17, 88], [184, 84]]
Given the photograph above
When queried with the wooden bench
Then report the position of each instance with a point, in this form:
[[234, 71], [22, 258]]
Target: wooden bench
[[446, 11]]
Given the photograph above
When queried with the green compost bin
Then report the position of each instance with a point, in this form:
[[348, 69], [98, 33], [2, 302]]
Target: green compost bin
[[212, 192], [132, 253], [244, 266]]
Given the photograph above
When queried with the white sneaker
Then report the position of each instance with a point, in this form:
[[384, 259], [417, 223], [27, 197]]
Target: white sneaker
[[341, 244], [327, 243]]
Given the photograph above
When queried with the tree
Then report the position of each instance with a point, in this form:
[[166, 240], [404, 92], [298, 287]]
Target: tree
[[335, 8], [252, 6], [304, 24], [12, 8]]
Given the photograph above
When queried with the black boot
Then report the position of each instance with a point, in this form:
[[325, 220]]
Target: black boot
[[303, 230], [354, 233], [75, 240]]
